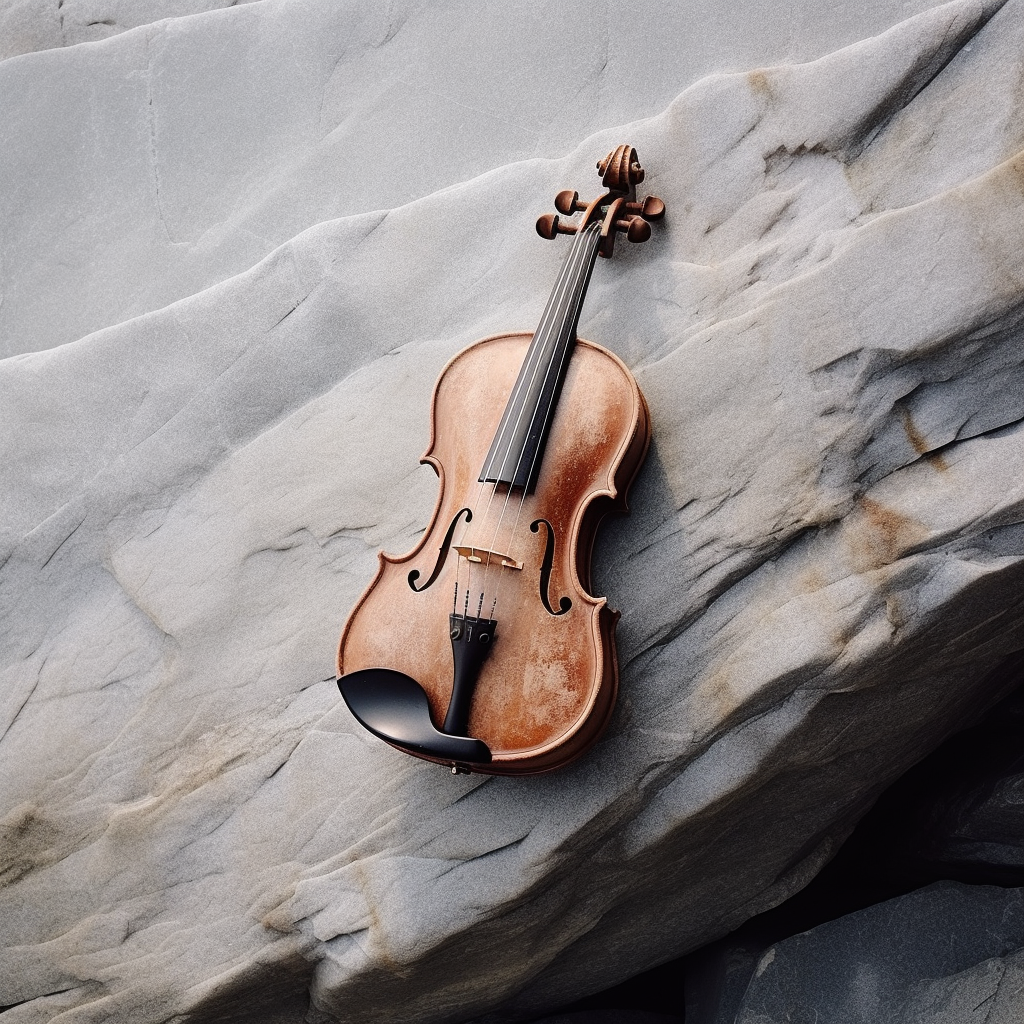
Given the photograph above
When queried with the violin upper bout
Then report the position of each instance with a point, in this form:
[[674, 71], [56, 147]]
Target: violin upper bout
[[636, 454], [625, 466]]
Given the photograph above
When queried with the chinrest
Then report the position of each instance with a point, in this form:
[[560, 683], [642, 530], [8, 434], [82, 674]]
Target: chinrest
[[394, 707]]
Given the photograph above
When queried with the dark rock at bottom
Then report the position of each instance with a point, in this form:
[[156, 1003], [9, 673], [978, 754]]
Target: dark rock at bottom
[[609, 1017], [908, 924], [947, 954]]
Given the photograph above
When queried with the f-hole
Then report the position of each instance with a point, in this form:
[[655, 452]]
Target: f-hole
[[442, 553], [564, 603]]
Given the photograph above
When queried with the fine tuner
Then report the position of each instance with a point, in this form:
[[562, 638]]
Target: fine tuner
[[618, 209]]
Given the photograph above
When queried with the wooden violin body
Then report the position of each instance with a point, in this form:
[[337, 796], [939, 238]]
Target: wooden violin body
[[545, 705], [483, 648]]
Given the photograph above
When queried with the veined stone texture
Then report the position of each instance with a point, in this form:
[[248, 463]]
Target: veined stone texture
[[227, 291]]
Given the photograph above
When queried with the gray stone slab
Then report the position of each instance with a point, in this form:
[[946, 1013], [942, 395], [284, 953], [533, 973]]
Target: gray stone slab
[[153, 163], [203, 454], [947, 954]]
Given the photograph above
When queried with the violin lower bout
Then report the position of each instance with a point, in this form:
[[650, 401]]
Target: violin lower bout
[[548, 685]]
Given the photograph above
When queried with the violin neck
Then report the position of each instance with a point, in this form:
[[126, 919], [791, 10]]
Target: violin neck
[[515, 454]]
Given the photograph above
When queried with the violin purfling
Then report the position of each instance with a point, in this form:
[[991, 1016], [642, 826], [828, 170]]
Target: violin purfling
[[483, 649]]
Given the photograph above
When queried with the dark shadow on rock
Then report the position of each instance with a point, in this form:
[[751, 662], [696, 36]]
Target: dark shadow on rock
[[275, 994], [952, 816], [957, 815], [609, 1017]]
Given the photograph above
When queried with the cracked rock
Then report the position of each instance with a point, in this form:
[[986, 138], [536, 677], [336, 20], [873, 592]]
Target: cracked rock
[[215, 396]]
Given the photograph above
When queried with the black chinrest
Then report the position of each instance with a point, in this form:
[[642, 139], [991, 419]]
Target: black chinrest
[[394, 707]]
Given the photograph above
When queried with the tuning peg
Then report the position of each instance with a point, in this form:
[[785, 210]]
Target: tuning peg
[[636, 228], [548, 225], [652, 208], [569, 203]]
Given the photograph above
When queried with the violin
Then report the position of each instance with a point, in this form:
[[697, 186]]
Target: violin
[[483, 649]]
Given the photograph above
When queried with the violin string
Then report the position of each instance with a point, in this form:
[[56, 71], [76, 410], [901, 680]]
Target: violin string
[[524, 381], [552, 314], [568, 285], [573, 304], [540, 358], [580, 295]]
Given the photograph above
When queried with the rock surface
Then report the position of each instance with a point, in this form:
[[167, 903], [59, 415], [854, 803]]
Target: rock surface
[[199, 145], [30, 25], [217, 388], [953, 816], [948, 954], [609, 1017]]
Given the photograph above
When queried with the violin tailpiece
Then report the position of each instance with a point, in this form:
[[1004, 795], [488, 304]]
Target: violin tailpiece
[[394, 707], [471, 643]]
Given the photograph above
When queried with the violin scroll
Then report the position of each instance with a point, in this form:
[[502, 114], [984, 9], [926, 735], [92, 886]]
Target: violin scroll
[[617, 210], [620, 170]]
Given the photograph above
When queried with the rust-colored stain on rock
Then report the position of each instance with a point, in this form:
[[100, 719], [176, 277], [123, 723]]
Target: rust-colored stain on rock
[[920, 443], [884, 535]]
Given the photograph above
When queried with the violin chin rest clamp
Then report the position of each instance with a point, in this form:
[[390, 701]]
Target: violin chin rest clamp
[[394, 707]]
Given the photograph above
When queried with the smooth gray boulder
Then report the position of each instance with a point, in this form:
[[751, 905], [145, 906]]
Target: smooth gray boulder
[[825, 554], [948, 954]]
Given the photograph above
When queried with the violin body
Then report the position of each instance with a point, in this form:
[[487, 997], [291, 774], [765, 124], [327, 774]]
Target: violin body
[[546, 701], [483, 648]]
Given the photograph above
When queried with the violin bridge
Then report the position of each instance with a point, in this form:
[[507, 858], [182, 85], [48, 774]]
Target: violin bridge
[[472, 554]]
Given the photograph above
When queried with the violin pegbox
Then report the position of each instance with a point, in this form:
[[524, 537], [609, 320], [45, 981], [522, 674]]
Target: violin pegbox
[[617, 210]]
